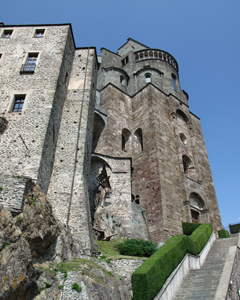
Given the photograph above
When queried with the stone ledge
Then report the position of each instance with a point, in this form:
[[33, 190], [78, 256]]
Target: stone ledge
[[222, 288]]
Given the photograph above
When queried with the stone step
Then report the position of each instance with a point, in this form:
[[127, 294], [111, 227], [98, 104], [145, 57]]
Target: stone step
[[202, 284]]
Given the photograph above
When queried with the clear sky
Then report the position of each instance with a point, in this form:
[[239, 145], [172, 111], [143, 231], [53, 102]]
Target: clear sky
[[204, 38]]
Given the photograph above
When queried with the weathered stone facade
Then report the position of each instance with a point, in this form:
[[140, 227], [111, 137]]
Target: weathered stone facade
[[77, 112], [148, 119], [49, 139]]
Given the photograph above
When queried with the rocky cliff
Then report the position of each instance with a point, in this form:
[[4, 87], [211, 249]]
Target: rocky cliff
[[38, 259]]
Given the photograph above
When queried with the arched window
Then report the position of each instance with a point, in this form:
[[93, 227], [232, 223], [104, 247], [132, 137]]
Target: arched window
[[183, 138], [196, 207], [186, 162], [174, 78], [181, 115], [122, 80], [148, 77], [125, 136], [138, 134], [98, 127], [196, 201]]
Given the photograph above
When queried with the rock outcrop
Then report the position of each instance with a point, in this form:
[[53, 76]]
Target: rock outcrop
[[17, 274], [35, 247], [30, 239]]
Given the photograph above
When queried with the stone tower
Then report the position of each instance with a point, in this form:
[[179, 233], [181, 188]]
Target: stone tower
[[152, 144], [47, 98]]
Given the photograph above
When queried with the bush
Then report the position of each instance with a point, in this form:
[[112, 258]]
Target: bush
[[133, 247], [223, 234], [198, 239], [234, 228], [148, 279], [188, 228], [76, 287]]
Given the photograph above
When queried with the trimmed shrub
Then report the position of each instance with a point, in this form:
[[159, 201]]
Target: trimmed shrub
[[133, 247], [234, 228], [188, 228], [223, 234], [148, 279], [198, 239]]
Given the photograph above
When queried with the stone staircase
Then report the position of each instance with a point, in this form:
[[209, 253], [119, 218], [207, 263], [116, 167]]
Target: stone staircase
[[202, 284]]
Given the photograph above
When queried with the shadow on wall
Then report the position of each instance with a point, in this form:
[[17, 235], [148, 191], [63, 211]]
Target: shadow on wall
[[98, 127]]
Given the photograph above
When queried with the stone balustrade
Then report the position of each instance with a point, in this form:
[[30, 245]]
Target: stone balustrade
[[156, 54]]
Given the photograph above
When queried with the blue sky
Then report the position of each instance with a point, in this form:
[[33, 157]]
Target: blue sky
[[203, 36]]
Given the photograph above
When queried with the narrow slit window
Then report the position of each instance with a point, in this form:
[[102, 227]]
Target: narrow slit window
[[174, 82], [148, 77], [124, 61]]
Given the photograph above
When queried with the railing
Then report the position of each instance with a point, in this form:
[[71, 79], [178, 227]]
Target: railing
[[156, 54], [27, 68]]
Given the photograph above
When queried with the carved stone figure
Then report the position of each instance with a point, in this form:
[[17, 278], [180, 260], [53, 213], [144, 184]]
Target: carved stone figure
[[103, 187]]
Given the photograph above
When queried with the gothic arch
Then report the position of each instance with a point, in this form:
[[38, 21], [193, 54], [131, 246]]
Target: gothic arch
[[187, 163], [98, 127], [125, 137], [198, 211], [138, 134], [197, 201], [181, 115], [183, 138]]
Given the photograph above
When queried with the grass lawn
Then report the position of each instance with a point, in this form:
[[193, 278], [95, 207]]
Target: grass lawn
[[109, 249]]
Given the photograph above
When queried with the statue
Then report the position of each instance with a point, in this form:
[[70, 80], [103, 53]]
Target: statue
[[103, 187]]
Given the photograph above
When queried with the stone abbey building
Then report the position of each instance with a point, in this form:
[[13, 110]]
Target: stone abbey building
[[69, 116]]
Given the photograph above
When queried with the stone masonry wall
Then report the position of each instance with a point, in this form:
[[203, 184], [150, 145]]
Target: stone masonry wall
[[146, 178], [23, 141], [68, 186], [51, 138], [176, 186], [159, 180]]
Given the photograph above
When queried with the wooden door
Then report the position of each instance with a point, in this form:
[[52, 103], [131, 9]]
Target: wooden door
[[195, 216]]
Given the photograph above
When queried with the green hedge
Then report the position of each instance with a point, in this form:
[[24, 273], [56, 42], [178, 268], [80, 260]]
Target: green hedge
[[137, 247], [223, 234], [234, 228], [148, 279], [198, 239], [188, 228]]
